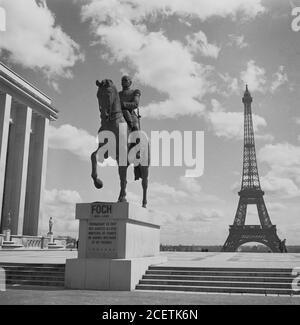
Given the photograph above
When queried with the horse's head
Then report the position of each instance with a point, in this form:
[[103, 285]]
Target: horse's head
[[106, 88], [106, 83], [107, 96]]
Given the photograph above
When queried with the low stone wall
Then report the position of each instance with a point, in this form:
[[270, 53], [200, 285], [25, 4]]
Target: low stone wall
[[33, 242]]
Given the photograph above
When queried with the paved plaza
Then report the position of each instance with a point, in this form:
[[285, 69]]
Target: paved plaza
[[186, 259], [36, 256], [233, 260], [182, 259], [74, 297]]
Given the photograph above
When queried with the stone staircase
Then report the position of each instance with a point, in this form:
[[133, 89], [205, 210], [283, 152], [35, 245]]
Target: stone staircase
[[218, 280], [51, 276]]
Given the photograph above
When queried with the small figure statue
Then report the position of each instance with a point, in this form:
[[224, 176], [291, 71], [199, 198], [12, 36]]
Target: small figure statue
[[50, 226]]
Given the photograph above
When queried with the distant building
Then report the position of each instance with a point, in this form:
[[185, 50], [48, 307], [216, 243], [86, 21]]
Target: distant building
[[25, 113]]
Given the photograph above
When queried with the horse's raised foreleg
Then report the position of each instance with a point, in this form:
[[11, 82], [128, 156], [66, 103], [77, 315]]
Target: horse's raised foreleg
[[97, 182], [123, 183], [145, 174]]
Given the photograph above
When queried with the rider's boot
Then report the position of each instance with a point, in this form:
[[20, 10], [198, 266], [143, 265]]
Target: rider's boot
[[122, 196]]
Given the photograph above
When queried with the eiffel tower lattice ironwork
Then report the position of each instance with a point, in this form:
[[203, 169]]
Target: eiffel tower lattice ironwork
[[251, 193]]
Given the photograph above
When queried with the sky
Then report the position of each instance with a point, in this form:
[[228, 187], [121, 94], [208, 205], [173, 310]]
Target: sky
[[191, 60]]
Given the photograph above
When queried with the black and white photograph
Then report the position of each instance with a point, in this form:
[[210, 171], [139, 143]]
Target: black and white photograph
[[149, 155]]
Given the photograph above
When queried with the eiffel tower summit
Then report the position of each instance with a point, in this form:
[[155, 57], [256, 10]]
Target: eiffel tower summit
[[251, 193]]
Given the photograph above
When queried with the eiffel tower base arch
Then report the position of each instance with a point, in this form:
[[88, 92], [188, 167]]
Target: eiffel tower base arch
[[240, 235]]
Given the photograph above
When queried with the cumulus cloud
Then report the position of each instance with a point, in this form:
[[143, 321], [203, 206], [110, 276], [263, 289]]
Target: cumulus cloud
[[167, 201], [120, 26], [190, 185], [283, 177], [230, 85], [281, 186], [237, 40], [207, 215], [254, 76], [161, 191], [187, 190], [60, 205], [137, 10], [33, 39], [230, 125], [203, 215], [198, 43], [182, 208], [280, 78], [148, 54], [283, 155], [77, 141]]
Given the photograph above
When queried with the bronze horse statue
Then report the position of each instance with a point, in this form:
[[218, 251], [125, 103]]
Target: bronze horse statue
[[111, 119]]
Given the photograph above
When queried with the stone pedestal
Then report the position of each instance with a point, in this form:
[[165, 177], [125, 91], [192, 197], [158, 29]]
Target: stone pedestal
[[53, 245], [7, 234], [8, 243], [117, 244]]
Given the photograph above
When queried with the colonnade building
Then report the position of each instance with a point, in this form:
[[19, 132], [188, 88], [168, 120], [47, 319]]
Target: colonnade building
[[25, 113]]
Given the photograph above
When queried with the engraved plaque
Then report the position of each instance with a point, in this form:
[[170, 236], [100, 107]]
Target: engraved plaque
[[102, 239]]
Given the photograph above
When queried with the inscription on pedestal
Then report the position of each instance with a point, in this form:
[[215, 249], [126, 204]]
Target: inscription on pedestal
[[102, 239], [101, 210]]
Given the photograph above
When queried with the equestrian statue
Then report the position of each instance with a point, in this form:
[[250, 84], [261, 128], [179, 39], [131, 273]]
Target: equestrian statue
[[120, 111]]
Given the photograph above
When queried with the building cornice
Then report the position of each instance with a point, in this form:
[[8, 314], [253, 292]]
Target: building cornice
[[14, 84]]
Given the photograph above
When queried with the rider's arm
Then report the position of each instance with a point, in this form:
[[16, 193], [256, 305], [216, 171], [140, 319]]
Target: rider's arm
[[134, 104]]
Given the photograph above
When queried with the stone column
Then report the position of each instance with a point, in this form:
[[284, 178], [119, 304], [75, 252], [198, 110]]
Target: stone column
[[16, 169], [36, 175], [26, 130], [5, 108]]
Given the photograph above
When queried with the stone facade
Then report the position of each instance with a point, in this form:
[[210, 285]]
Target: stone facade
[[25, 113]]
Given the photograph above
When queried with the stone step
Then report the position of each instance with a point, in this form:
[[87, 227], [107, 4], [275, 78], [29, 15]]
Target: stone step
[[245, 284], [16, 277], [231, 290], [33, 268], [33, 265], [218, 278], [168, 271], [34, 273], [48, 283], [33, 287], [221, 269]]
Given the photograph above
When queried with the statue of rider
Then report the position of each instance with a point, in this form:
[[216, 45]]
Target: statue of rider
[[130, 100]]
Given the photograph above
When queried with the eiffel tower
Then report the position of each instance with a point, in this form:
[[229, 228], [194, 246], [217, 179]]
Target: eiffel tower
[[251, 193]]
